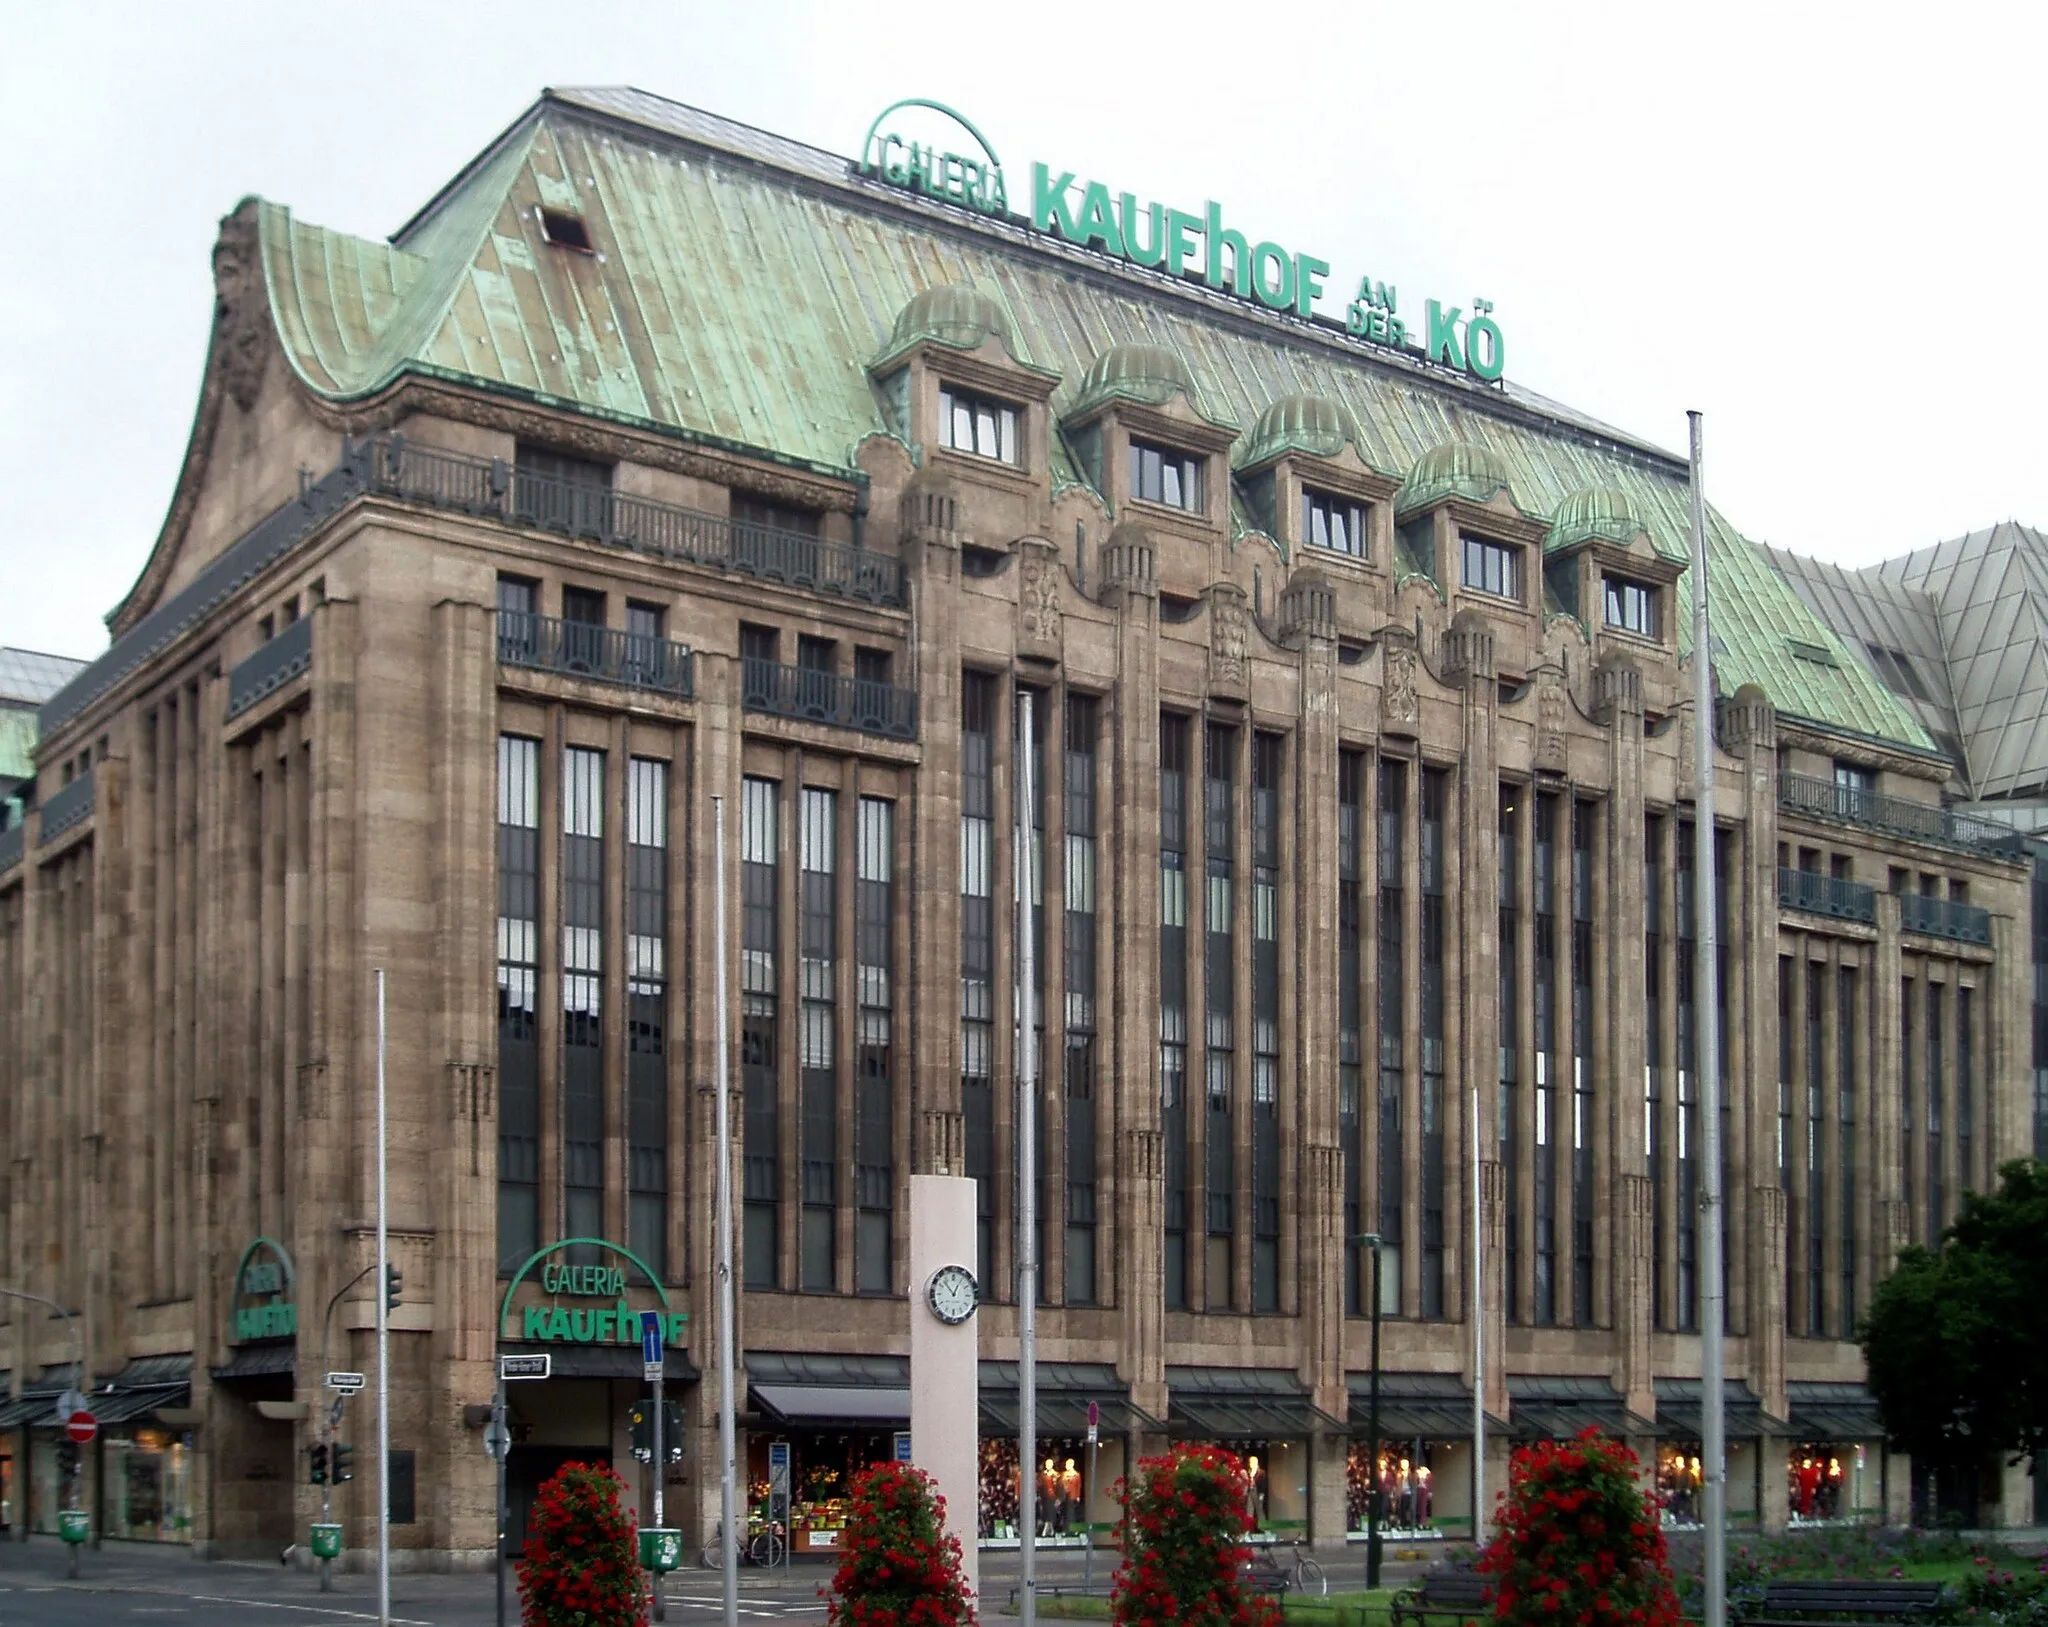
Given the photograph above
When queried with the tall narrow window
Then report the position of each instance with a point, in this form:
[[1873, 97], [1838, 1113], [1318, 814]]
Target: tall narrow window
[[1351, 1013], [1510, 999], [1795, 1218], [1080, 986], [1845, 1110], [1546, 989], [647, 1010], [518, 972], [818, 936], [761, 1183], [1816, 1166], [874, 1129], [1034, 880], [583, 1127], [1687, 1196], [1966, 1086], [1936, 1100], [1435, 794], [1653, 1053], [1173, 998], [1219, 1033], [977, 959], [1907, 1059], [1266, 790], [1393, 849], [1583, 1119]]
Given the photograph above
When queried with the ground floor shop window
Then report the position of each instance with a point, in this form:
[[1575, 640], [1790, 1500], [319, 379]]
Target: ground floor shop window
[[1407, 1482], [823, 1464], [1061, 1482], [9, 1514], [148, 1486], [1822, 1480], [1678, 1482]]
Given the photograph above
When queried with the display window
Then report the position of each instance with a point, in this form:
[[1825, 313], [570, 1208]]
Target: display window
[[148, 1486], [1407, 1482], [1678, 1482], [1820, 1479], [9, 1514], [1061, 1482], [823, 1464]]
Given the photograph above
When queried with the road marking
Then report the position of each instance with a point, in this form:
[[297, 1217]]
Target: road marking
[[306, 1609]]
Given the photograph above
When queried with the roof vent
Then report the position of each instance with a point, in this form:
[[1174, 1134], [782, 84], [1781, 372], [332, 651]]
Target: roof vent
[[565, 230], [1819, 654]]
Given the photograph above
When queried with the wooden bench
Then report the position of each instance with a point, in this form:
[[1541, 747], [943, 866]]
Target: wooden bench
[[1800, 1604], [1450, 1596]]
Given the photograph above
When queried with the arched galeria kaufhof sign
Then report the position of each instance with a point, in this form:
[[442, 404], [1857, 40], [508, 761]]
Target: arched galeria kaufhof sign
[[585, 1291], [265, 1293]]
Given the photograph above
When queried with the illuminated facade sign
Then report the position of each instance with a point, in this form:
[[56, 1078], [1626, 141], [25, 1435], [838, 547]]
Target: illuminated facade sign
[[615, 1323], [264, 1288], [1199, 247]]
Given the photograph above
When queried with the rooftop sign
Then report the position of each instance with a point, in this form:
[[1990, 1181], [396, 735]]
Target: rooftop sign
[[1197, 247]]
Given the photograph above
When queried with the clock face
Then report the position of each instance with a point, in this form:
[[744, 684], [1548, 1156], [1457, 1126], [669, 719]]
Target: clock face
[[952, 1293]]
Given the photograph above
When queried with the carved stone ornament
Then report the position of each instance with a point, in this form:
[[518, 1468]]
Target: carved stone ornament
[[240, 314], [1038, 596], [1550, 718], [1228, 634], [1400, 703]]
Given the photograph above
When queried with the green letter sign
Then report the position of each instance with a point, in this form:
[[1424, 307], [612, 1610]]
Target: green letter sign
[[615, 1323]]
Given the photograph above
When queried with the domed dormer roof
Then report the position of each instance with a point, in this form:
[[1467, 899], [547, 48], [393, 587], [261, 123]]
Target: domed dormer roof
[[952, 313], [1151, 374], [1594, 514], [1453, 469], [1300, 423]]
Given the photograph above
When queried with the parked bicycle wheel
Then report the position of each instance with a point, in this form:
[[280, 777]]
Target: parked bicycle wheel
[[1309, 1577]]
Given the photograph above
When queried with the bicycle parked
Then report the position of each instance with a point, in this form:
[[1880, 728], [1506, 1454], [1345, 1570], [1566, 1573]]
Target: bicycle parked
[[765, 1546]]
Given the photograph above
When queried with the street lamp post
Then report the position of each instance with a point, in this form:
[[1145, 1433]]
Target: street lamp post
[[1371, 1240]]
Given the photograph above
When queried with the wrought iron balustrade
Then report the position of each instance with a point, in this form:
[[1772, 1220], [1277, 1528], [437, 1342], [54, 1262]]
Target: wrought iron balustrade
[[271, 666], [1921, 821], [397, 467], [550, 644], [828, 697], [1944, 918], [69, 805], [1816, 894]]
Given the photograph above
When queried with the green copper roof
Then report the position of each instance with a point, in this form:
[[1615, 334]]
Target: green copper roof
[[951, 314], [1152, 374], [742, 284], [1298, 423]]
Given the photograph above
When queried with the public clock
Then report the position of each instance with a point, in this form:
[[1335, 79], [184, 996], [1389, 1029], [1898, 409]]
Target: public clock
[[952, 1294]]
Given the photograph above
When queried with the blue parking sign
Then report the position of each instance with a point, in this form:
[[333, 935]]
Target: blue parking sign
[[650, 1338]]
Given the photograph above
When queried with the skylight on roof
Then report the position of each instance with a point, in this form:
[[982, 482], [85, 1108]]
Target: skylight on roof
[[565, 230]]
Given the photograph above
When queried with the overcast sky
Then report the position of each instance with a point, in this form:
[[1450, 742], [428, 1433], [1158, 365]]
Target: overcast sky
[[1817, 224]]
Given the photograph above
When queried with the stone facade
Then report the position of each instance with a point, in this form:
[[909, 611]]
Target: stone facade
[[1380, 771]]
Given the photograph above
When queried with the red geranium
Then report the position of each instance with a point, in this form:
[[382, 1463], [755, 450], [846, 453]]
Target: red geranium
[[1184, 1553], [1577, 1540], [582, 1565], [897, 1565]]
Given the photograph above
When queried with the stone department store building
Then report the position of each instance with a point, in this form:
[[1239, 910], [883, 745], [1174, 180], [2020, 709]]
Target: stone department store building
[[660, 460]]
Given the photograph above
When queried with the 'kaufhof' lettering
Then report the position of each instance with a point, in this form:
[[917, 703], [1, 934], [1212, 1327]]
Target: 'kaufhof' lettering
[[595, 1325]]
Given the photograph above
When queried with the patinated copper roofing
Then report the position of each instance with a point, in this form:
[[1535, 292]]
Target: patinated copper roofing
[[741, 284]]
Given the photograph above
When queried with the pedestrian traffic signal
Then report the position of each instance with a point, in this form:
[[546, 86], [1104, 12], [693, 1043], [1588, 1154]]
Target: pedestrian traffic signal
[[642, 1419], [318, 1453], [394, 1284], [344, 1469]]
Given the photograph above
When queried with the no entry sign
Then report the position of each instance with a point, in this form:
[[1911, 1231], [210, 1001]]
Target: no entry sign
[[82, 1426]]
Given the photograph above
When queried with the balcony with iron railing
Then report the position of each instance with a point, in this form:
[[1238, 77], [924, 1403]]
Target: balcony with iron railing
[[831, 698], [273, 665], [396, 467], [13, 844], [1944, 918], [69, 805], [1815, 894], [580, 650], [1895, 816]]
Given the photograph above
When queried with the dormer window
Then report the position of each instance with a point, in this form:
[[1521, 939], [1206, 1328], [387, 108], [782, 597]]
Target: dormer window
[[565, 230], [1631, 607], [977, 424], [1166, 475], [1332, 522], [1493, 567]]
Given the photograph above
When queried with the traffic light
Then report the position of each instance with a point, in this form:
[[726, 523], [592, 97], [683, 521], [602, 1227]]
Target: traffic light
[[344, 1468], [67, 1458], [672, 1429], [394, 1284], [318, 1453], [642, 1420]]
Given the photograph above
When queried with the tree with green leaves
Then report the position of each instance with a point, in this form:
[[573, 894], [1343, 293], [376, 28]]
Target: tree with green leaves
[[1955, 1337]]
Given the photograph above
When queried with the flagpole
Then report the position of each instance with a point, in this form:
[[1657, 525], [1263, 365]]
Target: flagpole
[[383, 1341], [1478, 1343], [1027, 1182], [1713, 1312]]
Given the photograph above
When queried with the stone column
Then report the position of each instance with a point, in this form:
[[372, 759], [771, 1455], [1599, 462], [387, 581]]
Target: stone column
[[1137, 1194], [1889, 1137]]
